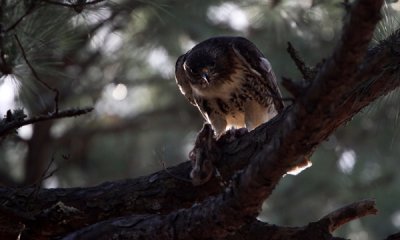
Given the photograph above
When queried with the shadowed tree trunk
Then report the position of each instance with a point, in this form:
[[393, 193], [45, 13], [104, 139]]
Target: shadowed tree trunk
[[38, 153]]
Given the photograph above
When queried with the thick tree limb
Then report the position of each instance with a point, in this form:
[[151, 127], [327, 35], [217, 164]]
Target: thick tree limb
[[321, 229], [344, 62]]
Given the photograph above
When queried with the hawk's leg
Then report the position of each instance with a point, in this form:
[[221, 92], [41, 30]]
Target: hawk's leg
[[255, 114], [218, 123]]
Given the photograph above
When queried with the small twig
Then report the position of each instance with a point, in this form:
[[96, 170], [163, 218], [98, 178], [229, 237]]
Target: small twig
[[61, 114], [46, 174], [15, 24], [348, 213], [32, 196], [36, 75], [173, 175], [73, 5], [300, 64], [35, 6], [38, 184]]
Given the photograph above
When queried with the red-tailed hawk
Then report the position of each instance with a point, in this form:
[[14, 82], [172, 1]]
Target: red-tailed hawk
[[231, 83]]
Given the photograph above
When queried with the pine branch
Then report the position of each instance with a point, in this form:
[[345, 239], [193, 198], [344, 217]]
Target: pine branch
[[305, 70], [78, 6], [13, 123], [29, 11], [73, 5], [36, 75]]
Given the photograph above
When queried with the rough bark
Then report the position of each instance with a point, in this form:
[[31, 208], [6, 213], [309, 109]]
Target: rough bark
[[162, 206]]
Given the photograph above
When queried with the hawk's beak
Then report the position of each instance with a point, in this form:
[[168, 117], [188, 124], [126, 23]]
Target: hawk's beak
[[205, 77]]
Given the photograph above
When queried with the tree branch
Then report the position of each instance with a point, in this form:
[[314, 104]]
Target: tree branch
[[36, 75], [344, 62], [78, 6], [73, 5], [300, 64], [335, 96], [19, 20], [161, 193], [8, 125], [253, 230], [325, 226], [348, 213]]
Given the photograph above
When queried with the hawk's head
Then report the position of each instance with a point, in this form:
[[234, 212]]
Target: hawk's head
[[207, 64]]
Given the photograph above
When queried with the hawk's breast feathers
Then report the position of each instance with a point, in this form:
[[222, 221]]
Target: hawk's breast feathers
[[231, 83]]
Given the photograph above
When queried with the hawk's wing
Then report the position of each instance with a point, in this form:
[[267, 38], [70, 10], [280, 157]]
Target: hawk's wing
[[182, 80], [249, 52]]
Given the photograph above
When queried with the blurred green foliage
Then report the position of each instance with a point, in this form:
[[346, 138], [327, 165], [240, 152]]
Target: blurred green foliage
[[119, 56]]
